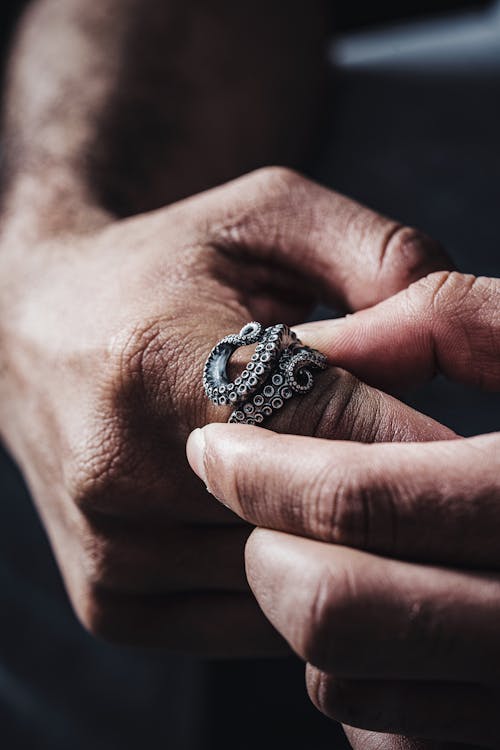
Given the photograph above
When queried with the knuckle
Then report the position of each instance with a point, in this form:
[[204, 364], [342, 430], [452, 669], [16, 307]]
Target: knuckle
[[408, 254], [103, 455], [282, 195], [276, 199], [433, 297], [99, 469], [461, 311], [139, 353], [277, 179], [159, 372], [444, 292], [117, 458]]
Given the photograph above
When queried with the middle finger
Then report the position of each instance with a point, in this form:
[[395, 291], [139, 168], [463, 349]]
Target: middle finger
[[358, 615]]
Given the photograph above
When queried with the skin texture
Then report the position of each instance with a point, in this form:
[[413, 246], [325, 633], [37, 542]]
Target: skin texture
[[379, 563], [111, 388], [114, 109], [127, 105], [105, 321]]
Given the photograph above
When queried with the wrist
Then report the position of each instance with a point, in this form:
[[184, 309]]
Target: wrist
[[41, 223], [40, 207]]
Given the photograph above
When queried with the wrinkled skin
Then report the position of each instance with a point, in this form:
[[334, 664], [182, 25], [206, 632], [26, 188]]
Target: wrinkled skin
[[380, 564], [101, 383], [104, 325]]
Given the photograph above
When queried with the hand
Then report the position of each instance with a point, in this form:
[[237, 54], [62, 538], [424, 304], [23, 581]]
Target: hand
[[387, 578], [103, 349]]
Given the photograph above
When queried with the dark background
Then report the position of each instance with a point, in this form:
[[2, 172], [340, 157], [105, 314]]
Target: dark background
[[347, 15], [350, 15], [419, 147]]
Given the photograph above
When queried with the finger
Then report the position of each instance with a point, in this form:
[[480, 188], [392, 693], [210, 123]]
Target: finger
[[395, 499], [447, 322], [339, 407], [211, 624], [355, 255], [127, 558], [342, 406], [361, 616], [439, 711]]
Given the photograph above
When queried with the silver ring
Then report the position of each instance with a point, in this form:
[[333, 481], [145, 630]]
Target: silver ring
[[280, 368]]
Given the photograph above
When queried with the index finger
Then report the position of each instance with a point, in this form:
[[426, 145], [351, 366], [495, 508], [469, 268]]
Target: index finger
[[348, 253], [447, 322]]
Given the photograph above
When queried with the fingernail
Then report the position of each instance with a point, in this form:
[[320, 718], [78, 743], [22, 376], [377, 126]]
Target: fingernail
[[195, 450], [308, 329]]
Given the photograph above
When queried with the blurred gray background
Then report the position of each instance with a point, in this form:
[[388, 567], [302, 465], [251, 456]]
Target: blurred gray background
[[415, 135]]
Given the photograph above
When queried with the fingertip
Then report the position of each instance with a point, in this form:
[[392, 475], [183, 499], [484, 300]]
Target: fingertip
[[220, 454], [195, 452], [258, 539], [209, 442], [265, 547]]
